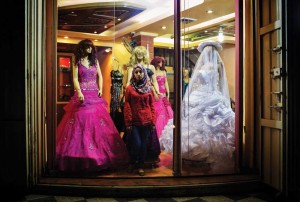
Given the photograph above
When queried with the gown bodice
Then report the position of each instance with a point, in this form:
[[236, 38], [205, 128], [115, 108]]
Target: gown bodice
[[161, 83], [209, 79], [116, 90], [87, 77]]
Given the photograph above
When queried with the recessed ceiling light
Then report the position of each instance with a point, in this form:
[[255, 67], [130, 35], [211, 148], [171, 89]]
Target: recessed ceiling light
[[108, 50], [163, 27], [66, 37], [209, 11]]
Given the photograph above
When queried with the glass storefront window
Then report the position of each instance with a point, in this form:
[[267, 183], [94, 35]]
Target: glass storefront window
[[200, 84]]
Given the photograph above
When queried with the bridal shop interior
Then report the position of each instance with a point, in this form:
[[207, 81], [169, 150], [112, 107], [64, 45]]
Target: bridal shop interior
[[116, 28], [221, 137]]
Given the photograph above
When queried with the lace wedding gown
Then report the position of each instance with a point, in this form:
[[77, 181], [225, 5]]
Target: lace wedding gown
[[208, 122]]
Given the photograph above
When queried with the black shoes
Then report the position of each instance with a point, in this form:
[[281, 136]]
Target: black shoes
[[134, 167]]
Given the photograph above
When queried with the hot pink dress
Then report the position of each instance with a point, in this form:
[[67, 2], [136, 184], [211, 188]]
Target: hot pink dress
[[87, 139], [162, 106]]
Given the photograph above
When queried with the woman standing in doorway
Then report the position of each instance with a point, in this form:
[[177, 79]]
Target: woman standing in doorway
[[140, 56], [139, 116]]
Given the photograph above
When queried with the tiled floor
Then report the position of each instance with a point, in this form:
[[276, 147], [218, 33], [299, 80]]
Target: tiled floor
[[255, 197]]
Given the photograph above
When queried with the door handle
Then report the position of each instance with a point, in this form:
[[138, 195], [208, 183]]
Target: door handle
[[277, 49], [277, 106], [276, 72]]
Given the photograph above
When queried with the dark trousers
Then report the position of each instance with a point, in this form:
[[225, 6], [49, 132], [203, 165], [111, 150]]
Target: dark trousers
[[138, 140]]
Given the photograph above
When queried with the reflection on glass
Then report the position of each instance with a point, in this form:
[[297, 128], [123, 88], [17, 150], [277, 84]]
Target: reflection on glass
[[64, 77]]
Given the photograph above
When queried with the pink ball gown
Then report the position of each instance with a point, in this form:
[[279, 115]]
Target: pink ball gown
[[162, 106], [87, 139]]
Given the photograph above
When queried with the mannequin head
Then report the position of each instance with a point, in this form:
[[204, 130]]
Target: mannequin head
[[157, 62], [85, 48], [185, 72], [139, 55]]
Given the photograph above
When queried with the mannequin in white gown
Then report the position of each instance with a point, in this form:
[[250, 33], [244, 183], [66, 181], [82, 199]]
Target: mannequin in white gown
[[207, 118]]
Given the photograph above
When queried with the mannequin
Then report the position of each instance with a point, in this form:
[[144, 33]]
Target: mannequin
[[162, 106], [87, 139], [208, 133]]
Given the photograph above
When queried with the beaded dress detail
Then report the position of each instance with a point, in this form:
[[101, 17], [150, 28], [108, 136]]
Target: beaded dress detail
[[87, 139], [115, 104]]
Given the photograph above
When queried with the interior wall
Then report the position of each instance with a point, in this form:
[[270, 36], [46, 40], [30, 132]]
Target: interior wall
[[228, 57], [106, 67]]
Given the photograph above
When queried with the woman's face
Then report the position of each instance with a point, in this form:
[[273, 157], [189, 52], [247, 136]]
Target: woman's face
[[138, 74]]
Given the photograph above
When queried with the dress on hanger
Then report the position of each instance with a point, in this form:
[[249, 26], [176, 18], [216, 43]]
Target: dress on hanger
[[115, 104], [87, 139]]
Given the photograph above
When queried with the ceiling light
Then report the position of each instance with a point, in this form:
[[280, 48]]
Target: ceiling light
[[108, 50], [221, 35], [209, 11], [163, 27]]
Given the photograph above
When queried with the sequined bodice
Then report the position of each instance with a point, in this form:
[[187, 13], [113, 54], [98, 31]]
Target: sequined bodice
[[209, 79], [87, 77], [161, 83]]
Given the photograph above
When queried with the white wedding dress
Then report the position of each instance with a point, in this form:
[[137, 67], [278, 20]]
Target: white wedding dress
[[207, 118]]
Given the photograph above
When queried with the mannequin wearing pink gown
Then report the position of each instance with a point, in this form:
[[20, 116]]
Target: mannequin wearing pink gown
[[87, 139], [162, 106]]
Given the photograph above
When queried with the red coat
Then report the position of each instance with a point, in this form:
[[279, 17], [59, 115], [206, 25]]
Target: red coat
[[138, 108]]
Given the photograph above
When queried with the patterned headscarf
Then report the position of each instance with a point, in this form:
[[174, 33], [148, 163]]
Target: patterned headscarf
[[142, 86]]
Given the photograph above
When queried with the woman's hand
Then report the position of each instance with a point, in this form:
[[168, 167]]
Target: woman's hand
[[129, 129], [152, 128]]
